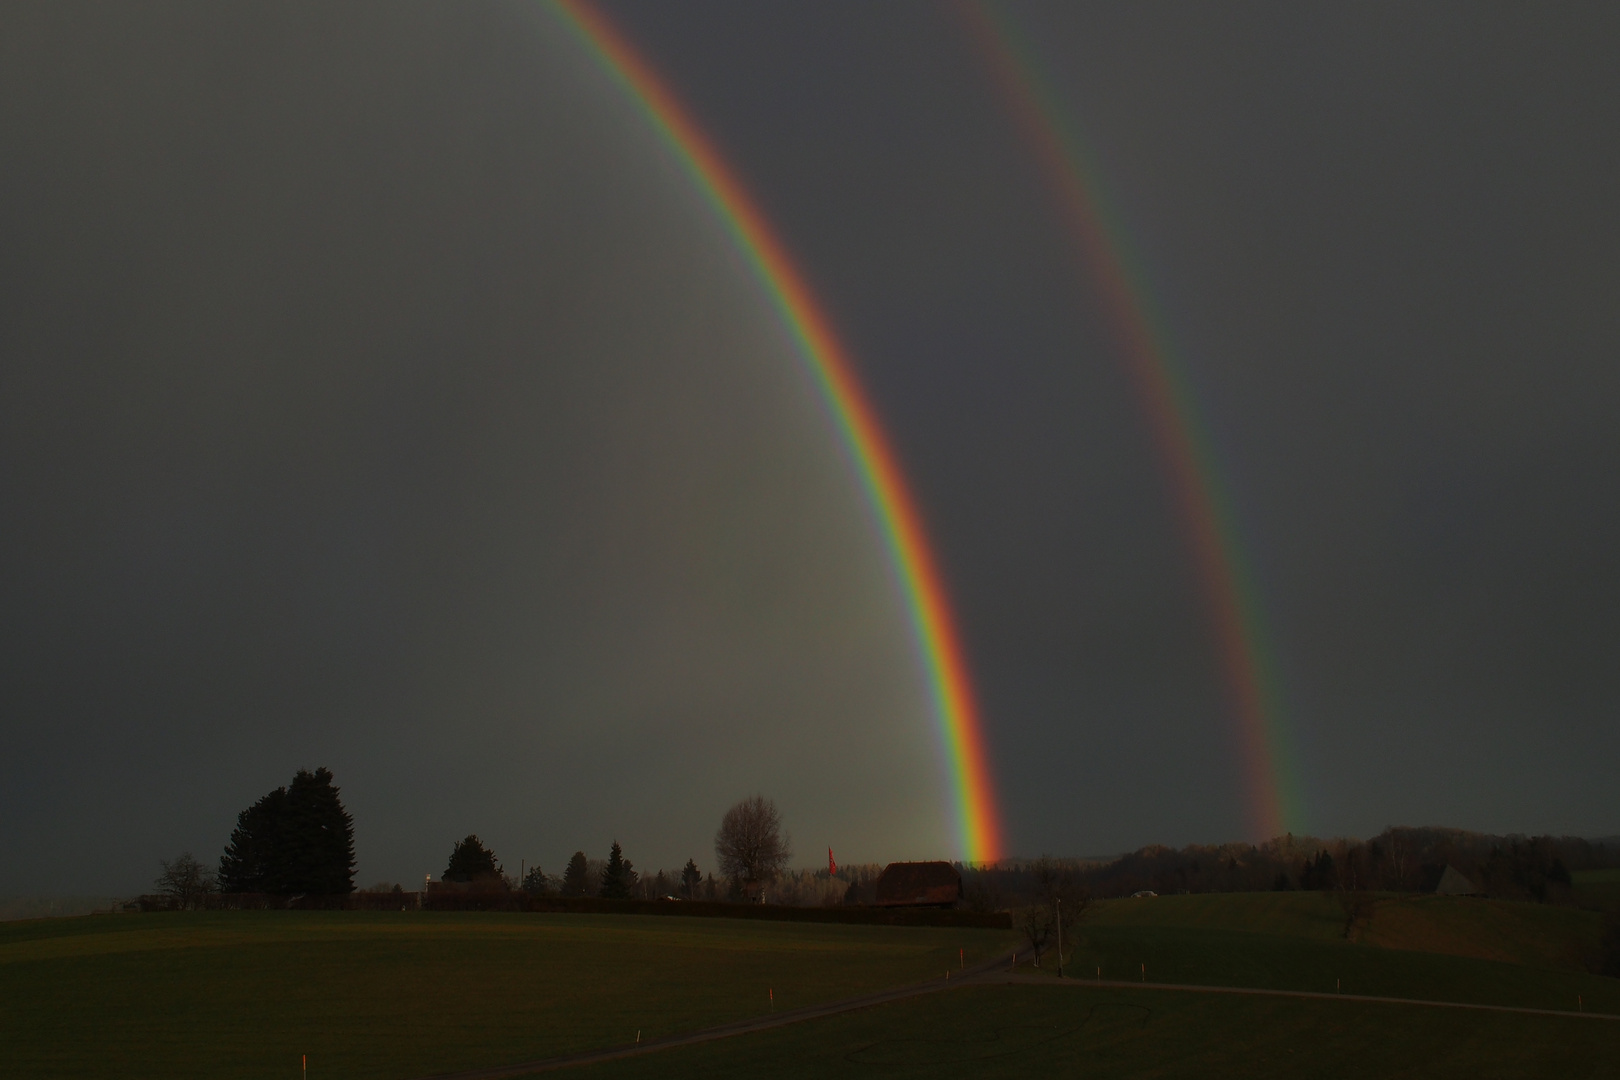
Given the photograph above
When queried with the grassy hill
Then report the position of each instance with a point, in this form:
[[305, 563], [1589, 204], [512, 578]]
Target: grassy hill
[[243, 994], [1029, 1031], [1541, 935], [1440, 949], [1598, 890], [401, 995]]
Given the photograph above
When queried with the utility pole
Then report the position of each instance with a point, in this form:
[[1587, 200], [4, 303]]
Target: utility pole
[[1060, 936]]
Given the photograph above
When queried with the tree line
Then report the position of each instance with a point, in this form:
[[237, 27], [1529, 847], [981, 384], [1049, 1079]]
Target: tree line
[[751, 849], [298, 840], [1535, 869]]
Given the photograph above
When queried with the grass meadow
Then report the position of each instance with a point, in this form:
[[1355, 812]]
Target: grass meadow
[[406, 994], [1598, 889], [1078, 1031], [1433, 948]]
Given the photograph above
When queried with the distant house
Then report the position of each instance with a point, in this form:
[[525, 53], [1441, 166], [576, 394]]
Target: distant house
[[919, 884], [1452, 883]]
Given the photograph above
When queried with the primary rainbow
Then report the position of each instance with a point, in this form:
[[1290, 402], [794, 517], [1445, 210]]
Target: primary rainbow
[[1167, 395], [977, 819]]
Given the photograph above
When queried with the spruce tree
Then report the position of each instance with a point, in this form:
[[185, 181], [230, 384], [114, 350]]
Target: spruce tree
[[691, 880], [253, 858], [535, 882], [320, 836], [296, 839], [470, 860], [574, 883], [616, 875]]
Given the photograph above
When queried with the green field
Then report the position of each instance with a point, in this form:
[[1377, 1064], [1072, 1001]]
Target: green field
[[1025, 1031], [402, 995], [1263, 940], [1510, 954], [1597, 889], [243, 994]]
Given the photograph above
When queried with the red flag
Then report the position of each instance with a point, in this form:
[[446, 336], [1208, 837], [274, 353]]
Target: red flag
[[832, 867]]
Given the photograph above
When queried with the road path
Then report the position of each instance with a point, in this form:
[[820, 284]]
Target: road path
[[990, 973], [1194, 988]]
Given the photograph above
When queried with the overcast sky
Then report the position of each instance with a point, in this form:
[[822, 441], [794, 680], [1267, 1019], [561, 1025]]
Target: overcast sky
[[376, 392]]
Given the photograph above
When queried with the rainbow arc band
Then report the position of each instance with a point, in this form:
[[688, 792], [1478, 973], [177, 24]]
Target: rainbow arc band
[[1071, 170], [977, 823]]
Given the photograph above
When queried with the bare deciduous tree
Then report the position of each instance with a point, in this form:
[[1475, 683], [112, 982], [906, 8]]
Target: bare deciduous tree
[[1035, 922], [185, 881], [1061, 902], [750, 845]]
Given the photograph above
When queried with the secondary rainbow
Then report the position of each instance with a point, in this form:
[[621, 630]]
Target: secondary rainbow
[[977, 823], [1167, 395]]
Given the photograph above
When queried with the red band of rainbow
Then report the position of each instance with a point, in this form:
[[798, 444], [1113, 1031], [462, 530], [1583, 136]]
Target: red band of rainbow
[[978, 823]]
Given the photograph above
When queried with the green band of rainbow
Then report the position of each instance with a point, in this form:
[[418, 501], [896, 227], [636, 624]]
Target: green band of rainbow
[[977, 817], [1167, 395]]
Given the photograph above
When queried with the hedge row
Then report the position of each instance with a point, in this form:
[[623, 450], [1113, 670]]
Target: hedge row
[[592, 905], [994, 920]]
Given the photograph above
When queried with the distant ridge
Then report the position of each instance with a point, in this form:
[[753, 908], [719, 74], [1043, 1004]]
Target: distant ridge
[[1399, 859]]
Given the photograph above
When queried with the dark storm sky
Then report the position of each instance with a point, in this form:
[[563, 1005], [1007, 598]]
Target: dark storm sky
[[376, 392]]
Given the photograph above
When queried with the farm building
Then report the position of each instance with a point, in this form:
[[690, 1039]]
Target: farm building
[[1452, 883], [919, 884]]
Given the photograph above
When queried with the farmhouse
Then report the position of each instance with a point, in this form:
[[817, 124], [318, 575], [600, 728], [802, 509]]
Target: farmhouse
[[919, 884], [1452, 883]]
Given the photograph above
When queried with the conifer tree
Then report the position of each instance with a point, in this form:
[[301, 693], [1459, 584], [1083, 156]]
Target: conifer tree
[[691, 879], [617, 875], [470, 860], [253, 858], [574, 883], [296, 839]]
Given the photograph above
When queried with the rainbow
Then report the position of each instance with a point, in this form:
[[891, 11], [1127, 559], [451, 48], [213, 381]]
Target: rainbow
[[977, 817], [1166, 392]]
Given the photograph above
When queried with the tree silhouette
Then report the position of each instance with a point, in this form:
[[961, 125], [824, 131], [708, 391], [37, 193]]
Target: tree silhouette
[[617, 876], [470, 860], [750, 845], [691, 879], [574, 883], [185, 881], [295, 839]]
